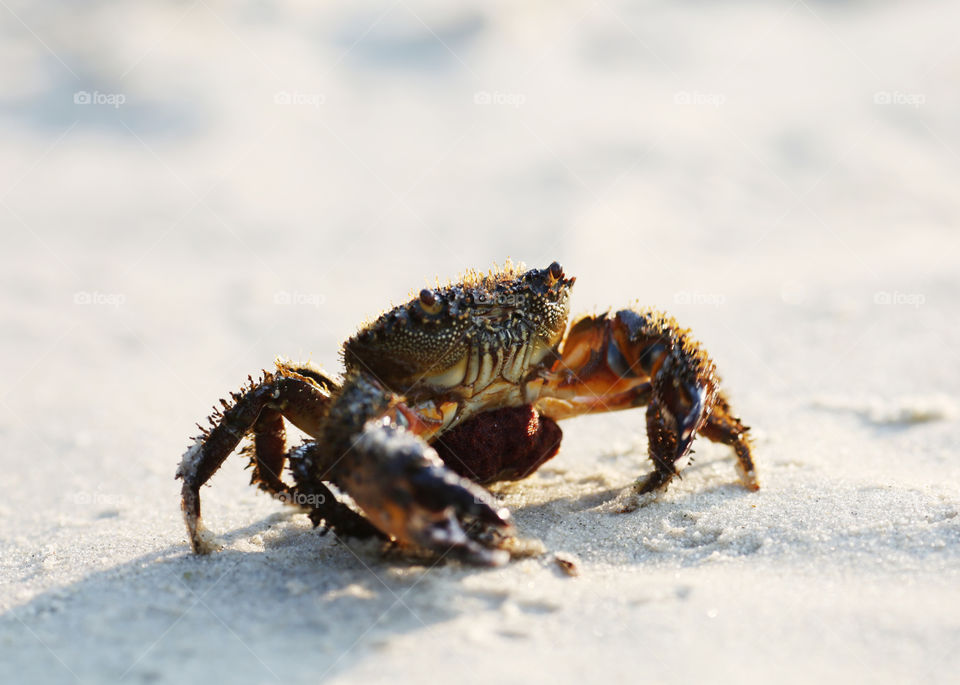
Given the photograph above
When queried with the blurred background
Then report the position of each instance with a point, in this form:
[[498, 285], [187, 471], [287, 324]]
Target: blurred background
[[191, 167], [188, 189]]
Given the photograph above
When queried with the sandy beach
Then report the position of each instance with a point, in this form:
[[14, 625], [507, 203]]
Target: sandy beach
[[190, 189]]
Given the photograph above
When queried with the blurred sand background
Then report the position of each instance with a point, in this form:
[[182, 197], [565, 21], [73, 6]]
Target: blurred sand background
[[188, 189]]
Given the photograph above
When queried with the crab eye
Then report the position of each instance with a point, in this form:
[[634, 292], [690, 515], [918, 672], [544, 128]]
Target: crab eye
[[428, 300], [556, 271]]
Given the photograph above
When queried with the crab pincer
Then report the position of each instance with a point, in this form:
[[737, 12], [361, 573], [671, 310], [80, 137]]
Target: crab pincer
[[402, 486]]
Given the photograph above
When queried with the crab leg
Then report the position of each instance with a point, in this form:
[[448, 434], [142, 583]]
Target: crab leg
[[637, 358], [724, 427], [260, 408], [399, 481]]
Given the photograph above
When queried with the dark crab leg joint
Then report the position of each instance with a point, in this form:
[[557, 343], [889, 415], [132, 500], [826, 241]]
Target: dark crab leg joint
[[459, 387]]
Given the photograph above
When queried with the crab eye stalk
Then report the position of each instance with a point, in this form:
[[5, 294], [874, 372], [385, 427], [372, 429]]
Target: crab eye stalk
[[555, 272], [428, 300]]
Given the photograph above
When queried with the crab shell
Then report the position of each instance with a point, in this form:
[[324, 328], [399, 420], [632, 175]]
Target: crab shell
[[466, 336]]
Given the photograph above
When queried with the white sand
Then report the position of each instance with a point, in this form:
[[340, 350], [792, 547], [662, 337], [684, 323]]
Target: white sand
[[736, 163]]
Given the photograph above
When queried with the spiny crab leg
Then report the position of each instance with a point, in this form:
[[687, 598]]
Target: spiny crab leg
[[299, 394], [636, 358], [256, 409]]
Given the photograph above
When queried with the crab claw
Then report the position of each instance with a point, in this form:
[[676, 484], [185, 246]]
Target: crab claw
[[401, 485]]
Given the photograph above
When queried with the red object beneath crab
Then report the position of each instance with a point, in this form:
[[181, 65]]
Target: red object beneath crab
[[504, 444]]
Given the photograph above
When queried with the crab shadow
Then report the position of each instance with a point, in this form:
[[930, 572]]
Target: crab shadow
[[303, 608], [280, 601]]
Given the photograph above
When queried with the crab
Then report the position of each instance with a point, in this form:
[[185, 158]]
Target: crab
[[460, 387]]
